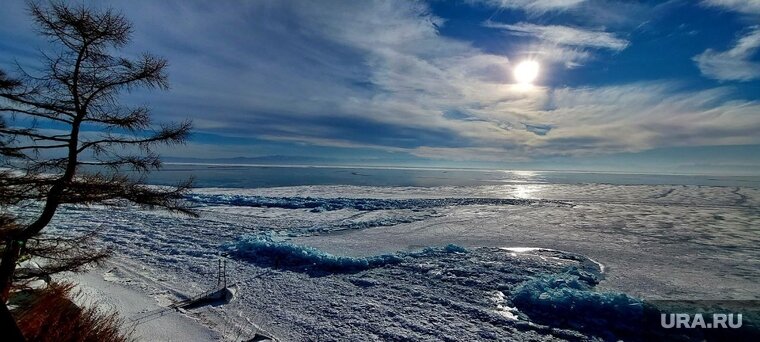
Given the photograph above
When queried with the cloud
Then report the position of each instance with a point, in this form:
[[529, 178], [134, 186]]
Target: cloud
[[533, 6], [612, 14], [570, 46], [564, 35], [490, 154], [538, 129], [741, 6], [380, 75], [640, 116], [733, 64], [320, 73], [588, 121]]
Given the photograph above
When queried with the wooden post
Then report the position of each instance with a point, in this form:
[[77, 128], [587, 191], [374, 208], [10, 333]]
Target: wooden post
[[219, 273]]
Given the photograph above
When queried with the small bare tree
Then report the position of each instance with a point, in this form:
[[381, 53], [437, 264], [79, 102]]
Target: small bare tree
[[65, 116]]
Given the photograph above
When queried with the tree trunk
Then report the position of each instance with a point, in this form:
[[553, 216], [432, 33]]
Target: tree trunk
[[8, 326], [7, 266]]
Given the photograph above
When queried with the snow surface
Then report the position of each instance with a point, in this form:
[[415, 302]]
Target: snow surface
[[353, 263], [109, 292]]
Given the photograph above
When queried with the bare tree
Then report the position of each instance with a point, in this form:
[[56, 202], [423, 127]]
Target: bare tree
[[65, 116]]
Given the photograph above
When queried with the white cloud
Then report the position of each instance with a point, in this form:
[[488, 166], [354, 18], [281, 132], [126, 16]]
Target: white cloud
[[742, 6], [733, 64], [570, 46], [534, 6], [564, 35], [624, 118], [641, 116]]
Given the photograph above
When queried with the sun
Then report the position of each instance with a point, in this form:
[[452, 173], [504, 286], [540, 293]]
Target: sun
[[526, 72]]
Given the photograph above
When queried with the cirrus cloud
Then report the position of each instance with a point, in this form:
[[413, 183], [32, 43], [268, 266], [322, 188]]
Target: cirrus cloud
[[533, 6], [734, 64], [564, 35], [742, 6]]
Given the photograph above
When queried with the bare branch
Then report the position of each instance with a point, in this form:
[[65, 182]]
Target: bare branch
[[30, 133], [135, 119], [167, 135], [49, 116]]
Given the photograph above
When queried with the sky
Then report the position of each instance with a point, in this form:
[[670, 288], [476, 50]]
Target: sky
[[640, 86]]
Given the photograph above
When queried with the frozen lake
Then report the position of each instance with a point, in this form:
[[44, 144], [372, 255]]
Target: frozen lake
[[650, 241]]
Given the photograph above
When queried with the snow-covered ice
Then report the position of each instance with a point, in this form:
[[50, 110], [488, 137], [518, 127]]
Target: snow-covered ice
[[385, 263]]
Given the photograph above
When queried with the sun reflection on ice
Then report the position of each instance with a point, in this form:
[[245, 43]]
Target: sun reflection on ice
[[524, 191], [528, 187], [525, 174]]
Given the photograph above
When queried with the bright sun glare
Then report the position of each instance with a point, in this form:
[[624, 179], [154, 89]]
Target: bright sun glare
[[526, 72]]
